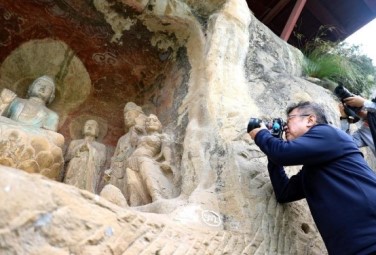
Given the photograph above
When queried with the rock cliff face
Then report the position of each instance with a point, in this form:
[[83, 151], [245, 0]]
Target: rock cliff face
[[204, 67]]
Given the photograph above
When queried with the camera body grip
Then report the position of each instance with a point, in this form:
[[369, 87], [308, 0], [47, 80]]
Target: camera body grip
[[253, 123]]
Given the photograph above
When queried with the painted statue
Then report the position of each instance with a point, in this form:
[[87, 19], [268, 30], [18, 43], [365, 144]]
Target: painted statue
[[32, 111]]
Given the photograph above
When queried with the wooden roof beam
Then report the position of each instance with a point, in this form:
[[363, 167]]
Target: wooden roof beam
[[323, 15], [275, 11], [287, 30]]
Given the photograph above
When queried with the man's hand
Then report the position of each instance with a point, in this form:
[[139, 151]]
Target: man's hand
[[254, 132], [355, 101]]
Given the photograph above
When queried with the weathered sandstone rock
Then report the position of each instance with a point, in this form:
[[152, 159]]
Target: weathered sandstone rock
[[220, 66]]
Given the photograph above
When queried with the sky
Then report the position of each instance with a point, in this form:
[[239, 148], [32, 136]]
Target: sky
[[366, 38]]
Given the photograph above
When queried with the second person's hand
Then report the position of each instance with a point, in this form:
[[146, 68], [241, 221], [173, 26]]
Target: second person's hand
[[355, 101]]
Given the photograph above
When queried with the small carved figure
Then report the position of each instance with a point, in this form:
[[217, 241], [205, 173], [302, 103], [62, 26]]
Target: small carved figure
[[149, 170], [86, 158], [32, 111], [134, 119]]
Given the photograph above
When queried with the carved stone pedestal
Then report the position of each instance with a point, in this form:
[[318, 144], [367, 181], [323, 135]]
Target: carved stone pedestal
[[31, 149]]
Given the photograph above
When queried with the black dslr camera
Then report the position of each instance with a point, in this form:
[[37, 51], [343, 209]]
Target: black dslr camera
[[342, 93], [275, 126]]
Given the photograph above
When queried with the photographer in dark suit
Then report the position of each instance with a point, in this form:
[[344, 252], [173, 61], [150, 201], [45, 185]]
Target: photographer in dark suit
[[363, 135], [336, 181]]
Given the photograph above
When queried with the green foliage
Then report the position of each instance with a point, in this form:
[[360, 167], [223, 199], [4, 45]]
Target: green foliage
[[339, 62]]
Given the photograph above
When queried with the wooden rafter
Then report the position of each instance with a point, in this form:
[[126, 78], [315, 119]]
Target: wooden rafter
[[275, 11], [323, 15], [287, 30]]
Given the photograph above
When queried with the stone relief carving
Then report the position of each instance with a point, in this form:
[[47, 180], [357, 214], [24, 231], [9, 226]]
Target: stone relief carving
[[227, 72], [149, 170], [28, 140], [141, 165], [32, 111], [134, 119], [6, 98], [86, 158]]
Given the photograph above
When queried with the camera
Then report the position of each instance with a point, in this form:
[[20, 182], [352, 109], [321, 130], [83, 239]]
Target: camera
[[342, 93], [275, 126]]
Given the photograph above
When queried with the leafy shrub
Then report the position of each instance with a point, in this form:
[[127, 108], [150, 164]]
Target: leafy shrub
[[339, 62]]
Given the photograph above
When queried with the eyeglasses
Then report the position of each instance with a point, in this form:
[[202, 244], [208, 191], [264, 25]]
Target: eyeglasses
[[297, 115]]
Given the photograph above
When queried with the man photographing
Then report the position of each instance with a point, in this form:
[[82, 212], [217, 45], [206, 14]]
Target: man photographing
[[336, 181], [363, 136]]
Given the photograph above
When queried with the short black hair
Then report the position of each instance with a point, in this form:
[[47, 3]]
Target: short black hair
[[309, 108]]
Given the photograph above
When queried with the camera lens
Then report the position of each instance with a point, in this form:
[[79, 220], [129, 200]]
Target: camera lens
[[253, 123], [342, 93]]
